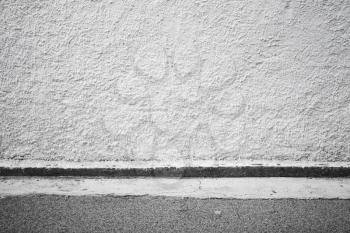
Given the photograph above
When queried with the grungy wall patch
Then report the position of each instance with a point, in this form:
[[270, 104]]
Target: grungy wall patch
[[174, 80]]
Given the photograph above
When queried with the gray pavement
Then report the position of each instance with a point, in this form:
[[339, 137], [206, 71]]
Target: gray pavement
[[53, 213]]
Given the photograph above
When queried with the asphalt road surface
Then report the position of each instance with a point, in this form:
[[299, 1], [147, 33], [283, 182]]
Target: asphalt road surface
[[48, 213]]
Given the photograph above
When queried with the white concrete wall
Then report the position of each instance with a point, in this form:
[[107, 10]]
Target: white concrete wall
[[171, 80]]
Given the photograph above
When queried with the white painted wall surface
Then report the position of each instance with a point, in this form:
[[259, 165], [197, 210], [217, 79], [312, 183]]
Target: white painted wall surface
[[175, 80]]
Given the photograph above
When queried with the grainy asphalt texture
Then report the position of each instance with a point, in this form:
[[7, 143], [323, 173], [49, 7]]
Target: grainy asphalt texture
[[44, 213]]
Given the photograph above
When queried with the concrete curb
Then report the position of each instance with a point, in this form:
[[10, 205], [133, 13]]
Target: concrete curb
[[239, 188], [156, 169]]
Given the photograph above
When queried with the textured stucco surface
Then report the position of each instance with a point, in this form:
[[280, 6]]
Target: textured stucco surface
[[175, 80]]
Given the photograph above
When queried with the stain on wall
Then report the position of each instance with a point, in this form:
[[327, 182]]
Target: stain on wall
[[172, 80]]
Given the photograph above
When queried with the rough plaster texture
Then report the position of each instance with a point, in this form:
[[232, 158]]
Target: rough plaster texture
[[175, 80]]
